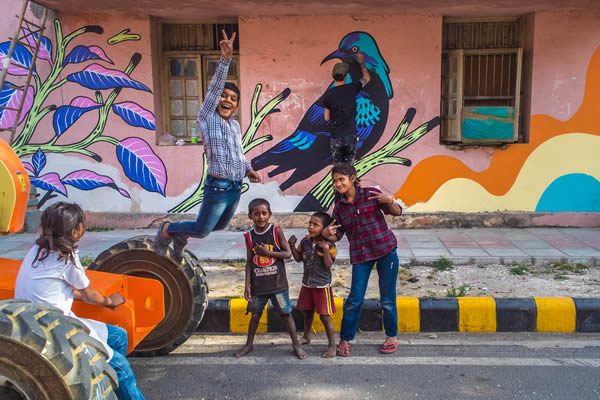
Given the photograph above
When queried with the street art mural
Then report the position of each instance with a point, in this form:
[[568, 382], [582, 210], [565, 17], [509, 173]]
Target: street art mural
[[307, 149], [557, 171], [135, 155]]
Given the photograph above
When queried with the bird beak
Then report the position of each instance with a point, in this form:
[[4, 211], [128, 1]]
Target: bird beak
[[340, 54]]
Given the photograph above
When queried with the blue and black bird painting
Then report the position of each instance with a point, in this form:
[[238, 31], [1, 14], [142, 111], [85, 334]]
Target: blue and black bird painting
[[307, 149]]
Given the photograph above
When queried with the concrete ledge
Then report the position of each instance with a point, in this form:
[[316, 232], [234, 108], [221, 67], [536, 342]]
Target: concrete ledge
[[407, 221], [463, 314]]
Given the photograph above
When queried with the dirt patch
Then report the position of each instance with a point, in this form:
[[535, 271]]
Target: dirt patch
[[516, 280]]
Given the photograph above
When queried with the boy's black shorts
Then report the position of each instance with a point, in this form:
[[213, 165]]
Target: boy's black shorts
[[343, 150]]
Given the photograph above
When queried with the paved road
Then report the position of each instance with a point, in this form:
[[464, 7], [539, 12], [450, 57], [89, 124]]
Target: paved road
[[452, 366]]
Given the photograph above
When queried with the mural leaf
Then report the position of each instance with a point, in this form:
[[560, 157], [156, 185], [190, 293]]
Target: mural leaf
[[124, 193], [39, 161], [21, 59], [142, 165], [135, 115], [65, 116], [87, 180], [11, 97], [50, 181], [29, 167], [97, 77], [80, 54], [45, 50]]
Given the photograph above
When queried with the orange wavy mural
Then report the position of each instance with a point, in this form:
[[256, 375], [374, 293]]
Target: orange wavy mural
[[431, 173]]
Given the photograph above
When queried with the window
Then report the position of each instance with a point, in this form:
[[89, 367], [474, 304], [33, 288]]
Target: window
[[482, 63], [189, 56]]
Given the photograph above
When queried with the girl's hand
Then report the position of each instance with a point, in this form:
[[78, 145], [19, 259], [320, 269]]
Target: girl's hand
[[292, 241], [247, 294], [330, 230], [382, 198], [115, 300]]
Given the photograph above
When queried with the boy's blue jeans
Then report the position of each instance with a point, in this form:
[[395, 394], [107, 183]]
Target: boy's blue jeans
[[117, 340], [387, 269], [221, 198]]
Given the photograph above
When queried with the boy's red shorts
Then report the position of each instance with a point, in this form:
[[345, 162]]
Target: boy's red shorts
[[316, 299]]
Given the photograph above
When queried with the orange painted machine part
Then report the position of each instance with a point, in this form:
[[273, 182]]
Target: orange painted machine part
[[143, 310], [14, 190]]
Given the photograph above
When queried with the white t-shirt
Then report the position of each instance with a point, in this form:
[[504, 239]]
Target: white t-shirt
[[51, 281]]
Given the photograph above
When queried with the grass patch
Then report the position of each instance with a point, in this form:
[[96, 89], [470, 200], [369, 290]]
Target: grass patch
[[561, 277], [459, 291], [519, 269], [574, 268], [237, 264], [338, 283], [86, 261], [442, 264], [404, 274]]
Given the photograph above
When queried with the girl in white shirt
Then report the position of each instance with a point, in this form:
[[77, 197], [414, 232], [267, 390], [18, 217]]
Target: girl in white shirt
[[52, 274]]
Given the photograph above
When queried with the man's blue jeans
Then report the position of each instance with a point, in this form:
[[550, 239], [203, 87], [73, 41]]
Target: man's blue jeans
[[387, 269], [221, 198], [117, 340]]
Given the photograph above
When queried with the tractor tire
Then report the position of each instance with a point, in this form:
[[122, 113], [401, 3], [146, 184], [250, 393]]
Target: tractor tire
[[46, 355], [186, 290]]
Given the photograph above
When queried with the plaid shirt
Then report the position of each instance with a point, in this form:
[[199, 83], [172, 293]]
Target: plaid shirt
[[222, 137], [364, 223]]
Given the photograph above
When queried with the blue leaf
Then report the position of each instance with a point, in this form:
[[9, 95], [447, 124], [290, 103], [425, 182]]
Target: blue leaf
[[142, 165], [50, 181], [65, 116], [97, 77], [80, 54], [135, 115], [39, 161], [21, 59]]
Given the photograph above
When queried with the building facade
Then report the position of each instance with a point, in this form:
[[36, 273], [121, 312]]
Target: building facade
[[469, 110]]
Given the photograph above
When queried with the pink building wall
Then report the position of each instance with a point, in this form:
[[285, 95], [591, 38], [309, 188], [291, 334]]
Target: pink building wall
[[286, 52]]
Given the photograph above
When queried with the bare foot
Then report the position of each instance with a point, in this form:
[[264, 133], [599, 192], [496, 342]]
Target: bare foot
[[305, 340], [330, 353], [298, 352], [243, 351]]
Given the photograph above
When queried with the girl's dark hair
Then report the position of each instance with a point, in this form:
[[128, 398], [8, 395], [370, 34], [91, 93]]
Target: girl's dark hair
[[324, 217], [58, 223], [258, 202], [345, 169]]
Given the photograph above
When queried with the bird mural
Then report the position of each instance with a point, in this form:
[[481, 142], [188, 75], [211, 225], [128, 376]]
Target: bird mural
[[307, 149]]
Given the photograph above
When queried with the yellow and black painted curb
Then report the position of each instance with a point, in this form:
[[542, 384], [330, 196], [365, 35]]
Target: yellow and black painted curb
[[462, 314]]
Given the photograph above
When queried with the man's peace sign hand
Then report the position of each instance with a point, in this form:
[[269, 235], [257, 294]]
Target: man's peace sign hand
[[226, 45], [330, 232]]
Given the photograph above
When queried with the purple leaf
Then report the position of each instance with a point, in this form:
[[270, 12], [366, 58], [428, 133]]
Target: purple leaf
[[50, 181], [45, 50], [21, 59], [39, 161], [135, 115], [142, 165], [124, 193], [28, 167], [87, 180], [97, 77], [80, 54], [11, 97], [65, 116], [84, 102]]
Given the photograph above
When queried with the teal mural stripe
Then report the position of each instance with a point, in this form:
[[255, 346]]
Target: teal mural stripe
[[571, 193]]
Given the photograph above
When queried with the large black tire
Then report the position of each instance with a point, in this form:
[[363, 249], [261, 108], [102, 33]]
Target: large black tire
[[186, 290], [47, 355]]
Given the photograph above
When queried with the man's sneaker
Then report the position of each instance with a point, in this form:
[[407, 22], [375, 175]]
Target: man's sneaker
[[160, 243], [179, 244]]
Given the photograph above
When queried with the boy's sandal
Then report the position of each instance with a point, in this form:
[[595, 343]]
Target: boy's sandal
[[389, 348], [343, 350]]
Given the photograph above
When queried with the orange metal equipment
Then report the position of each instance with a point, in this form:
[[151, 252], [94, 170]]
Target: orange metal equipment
[[143, 310], [145, 305], [14, 190]]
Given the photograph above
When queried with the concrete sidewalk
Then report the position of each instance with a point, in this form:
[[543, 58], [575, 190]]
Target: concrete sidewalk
[[461, 246]]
